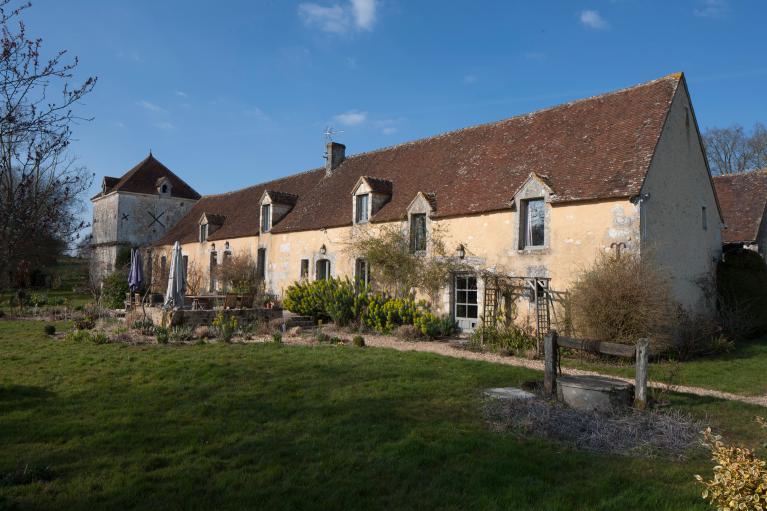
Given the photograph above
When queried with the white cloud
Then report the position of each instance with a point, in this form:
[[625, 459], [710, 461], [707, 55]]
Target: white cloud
[[364, 13], [469, 79], [165, 125], [329, 19], [148, 105], [339, 19], [351, 118], [713, 9], [593, 19], [181, 94], [387, 126]]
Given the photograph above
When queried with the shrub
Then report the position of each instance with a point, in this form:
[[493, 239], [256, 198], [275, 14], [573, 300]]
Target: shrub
[[145, 326], [162, 334], [435, 326], [509, 339], [225, 326], [322, 337], [742, 289], [87, 336], [85, 323], [180, 333], [740, 478], [407, 332], [115, 286], [358, 341], [336, 340], [50, 329], [337, 299], [622, 299], [38, 299], [99, 338], [239, 273], [277, 337]]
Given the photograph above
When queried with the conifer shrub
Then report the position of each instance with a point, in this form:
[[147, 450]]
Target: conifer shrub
[[50, 329], [358, 341]]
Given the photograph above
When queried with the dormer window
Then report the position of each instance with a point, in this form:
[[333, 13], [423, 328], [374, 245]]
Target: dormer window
[[362, 208], [203, 233], [417, 233], [369, 195], [266, 217], [533, 223], [163, 186]]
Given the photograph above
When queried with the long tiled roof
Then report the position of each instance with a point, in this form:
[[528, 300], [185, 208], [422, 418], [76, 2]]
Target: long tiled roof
[[743, 198], [143, 178], [591, 149]]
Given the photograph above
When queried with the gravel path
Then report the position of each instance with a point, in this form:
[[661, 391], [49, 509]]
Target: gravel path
[[445, 349]]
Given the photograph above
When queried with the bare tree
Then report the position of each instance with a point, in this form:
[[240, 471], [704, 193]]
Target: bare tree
[[40, 184], [732, 150]]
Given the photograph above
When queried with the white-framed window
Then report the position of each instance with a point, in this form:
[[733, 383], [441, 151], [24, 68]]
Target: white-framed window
[[362, 208], [266, 217], [533, 223], [203, 233], [417, 232], [322, 269]]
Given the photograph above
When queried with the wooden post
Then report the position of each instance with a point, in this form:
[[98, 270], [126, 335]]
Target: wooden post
[[640, 390], [550, 364]]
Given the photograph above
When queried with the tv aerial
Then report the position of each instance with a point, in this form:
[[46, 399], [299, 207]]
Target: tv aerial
[[330, 131]]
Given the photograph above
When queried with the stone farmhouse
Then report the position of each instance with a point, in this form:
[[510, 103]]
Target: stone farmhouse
[[743, 198], [535, 196], [136, 210]]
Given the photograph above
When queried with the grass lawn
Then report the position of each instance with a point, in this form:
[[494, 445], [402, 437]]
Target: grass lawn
[[277, 427], [743, 371]]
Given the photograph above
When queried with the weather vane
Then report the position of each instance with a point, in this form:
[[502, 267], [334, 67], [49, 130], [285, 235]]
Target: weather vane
[[330, 131]]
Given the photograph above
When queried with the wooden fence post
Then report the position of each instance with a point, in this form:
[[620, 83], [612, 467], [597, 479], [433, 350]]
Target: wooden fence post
[[640, 389], [550, 364]]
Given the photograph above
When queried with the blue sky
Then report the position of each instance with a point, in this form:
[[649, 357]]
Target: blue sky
[[233, 94]]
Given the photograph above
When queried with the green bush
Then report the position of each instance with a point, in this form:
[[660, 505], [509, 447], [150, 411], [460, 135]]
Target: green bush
[[322, 337], [87, 336], [342, 302], [508, 339], [277, 337], [145, 326], [115, 286], [225, 326], [180, 333], [162, 334], [38, 300], [50, 329], [337, 299], [358, 341]]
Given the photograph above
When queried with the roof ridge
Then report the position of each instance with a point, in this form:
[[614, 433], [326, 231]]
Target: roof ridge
[[672, 76], [263, 183]]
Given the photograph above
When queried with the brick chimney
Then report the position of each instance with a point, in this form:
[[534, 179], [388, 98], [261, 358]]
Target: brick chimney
[[334, 155]]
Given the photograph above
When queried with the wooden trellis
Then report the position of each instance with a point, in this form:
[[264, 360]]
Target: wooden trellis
[[498, 285]]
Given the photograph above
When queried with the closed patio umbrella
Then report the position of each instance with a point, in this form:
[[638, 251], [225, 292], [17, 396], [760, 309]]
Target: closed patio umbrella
[[174, 296], [136, 275]]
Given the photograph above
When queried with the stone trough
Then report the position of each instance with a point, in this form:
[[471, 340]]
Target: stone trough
[[594, 393]]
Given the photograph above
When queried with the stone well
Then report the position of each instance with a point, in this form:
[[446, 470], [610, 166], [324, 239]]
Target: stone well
[[594, 392]]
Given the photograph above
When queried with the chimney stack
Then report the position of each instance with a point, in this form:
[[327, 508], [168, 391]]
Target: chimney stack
[[334, 155]]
